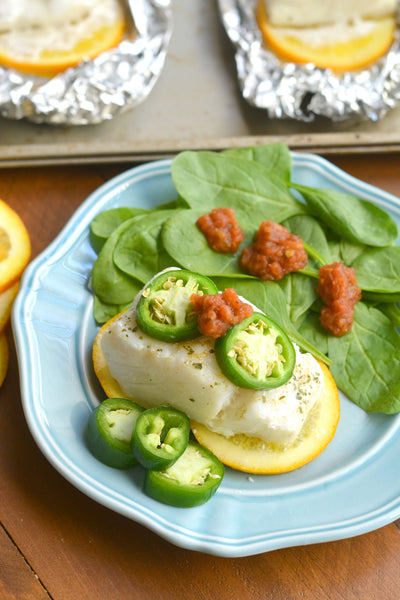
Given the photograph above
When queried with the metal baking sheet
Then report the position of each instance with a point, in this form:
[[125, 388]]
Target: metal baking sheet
[[197, 104]]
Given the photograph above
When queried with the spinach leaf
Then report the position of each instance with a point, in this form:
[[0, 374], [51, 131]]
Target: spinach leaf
[[366, 361], [209, 180], [378, 270], [274, 157], [109, 283], [138, 251], [349, 251], [310, 231], [179, 202], [105, 222], [312, 235], [300, 292], [355, 219], [187, 245], [313, 331], [103, 312], [380, 297], [270, 299], [392, 311], [335, 250]]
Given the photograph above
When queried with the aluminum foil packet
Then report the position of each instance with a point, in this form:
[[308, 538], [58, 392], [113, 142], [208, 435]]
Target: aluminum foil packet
[[99, 89], [304, 92]]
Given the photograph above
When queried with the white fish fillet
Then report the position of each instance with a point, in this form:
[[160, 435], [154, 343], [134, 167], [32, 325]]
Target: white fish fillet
[[186, 375], [308, 13], [29, 27]]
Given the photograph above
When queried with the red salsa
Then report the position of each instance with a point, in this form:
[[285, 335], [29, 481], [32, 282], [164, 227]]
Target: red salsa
[[274, 253], [221, 230], [337, 286], [218, 312]]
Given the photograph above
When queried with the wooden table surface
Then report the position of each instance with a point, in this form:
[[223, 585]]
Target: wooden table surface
[[56, 543]]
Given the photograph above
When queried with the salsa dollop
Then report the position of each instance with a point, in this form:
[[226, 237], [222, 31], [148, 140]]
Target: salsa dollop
[[274, 253], [221, 230], [337, 286], [218, 312]]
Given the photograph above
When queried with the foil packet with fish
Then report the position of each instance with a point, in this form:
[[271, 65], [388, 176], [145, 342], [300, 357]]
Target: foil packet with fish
[[304, 60], [78, 62]]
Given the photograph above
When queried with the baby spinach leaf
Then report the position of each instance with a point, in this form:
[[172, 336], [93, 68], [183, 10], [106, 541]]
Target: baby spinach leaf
[[179, 202], [109, 283], [335, 250], [349, 251], [309, 270], [380, 297], [392, 311], [187, 245], [138, 251], [312, 235], [355, 219], [313, 331], [276, 158], [269, 298], [378, 270], [209, 180], [105, 222], [366, 361], [300, 292], [103, 312]]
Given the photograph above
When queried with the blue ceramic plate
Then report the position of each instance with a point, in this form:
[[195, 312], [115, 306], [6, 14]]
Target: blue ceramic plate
[[352, 488]]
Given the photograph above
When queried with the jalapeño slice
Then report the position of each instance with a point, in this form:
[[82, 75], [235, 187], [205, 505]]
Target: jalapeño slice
[[109, 432], [190, 481], [160, 437], [256, 353], [165, 311]]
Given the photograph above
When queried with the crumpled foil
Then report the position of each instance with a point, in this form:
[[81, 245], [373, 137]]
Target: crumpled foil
[[304, 92], [99, 89]]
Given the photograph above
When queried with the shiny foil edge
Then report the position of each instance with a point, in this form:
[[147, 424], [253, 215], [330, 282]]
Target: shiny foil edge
[[305, 92], [95, 90]]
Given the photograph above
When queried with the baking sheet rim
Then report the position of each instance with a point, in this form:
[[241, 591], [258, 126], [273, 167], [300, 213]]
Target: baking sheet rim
[[48, 154]]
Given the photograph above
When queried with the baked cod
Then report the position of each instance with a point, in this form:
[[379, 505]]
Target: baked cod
[[31, 30], [186, 375], [308, 13], [338, 34]]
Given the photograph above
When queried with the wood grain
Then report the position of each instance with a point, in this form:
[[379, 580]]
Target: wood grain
[[57, 543], [17, 581]]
